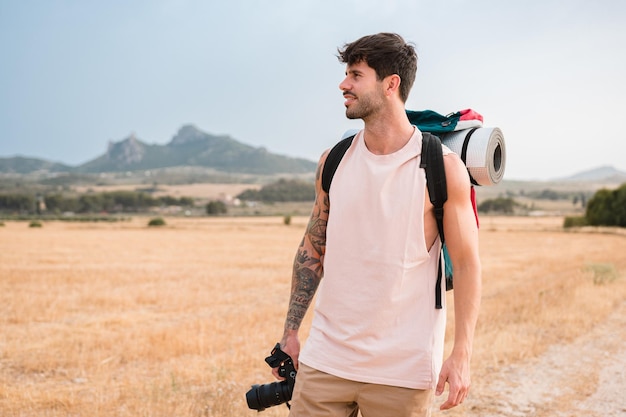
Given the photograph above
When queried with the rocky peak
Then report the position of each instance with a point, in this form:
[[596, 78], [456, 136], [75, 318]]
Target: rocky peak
[[187, 134], [128, 151]]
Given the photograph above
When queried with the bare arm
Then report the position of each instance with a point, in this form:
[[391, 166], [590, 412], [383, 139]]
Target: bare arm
[[308, 268], [462, 241]]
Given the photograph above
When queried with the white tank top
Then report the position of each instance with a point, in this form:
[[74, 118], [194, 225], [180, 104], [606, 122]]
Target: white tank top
[[375, 319]]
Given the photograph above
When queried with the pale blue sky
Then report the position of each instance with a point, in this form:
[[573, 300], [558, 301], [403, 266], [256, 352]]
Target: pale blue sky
[[76, 74]]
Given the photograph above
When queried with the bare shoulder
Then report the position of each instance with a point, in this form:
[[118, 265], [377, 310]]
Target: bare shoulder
[[457, 177], [322, 203], [320, 168]]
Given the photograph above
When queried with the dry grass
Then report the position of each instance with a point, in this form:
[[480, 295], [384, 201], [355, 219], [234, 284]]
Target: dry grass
[[126, 320]]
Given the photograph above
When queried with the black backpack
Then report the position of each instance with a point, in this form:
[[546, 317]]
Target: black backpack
[[432, 163]]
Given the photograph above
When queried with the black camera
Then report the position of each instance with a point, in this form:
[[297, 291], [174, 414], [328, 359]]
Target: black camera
[[264, 396]]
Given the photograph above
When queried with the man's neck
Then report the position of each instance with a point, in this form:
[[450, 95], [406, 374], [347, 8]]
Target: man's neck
[[388, 133]]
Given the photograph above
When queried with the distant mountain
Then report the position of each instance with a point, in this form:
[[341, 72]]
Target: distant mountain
[[601, 174], [23, 165], [189, 147]]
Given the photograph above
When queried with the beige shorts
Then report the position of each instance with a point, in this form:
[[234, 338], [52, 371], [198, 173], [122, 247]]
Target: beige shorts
[[318, 394]]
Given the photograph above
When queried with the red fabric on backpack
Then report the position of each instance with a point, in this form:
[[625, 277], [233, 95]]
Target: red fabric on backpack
[[473, 198]]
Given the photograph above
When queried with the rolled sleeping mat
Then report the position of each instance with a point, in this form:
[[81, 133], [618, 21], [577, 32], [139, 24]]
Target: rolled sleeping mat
[[482, 150]]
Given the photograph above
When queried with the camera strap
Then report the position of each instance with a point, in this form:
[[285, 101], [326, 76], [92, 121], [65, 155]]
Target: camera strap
[[277, 357]]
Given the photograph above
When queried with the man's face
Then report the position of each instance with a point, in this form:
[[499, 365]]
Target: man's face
[[362, 91]]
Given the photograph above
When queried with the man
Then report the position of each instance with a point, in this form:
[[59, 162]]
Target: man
[[376, 341]]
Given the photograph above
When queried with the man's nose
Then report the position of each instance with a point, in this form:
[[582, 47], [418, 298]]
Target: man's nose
[[343, 86]]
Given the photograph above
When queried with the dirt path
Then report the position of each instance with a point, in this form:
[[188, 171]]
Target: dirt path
[[583, 378]]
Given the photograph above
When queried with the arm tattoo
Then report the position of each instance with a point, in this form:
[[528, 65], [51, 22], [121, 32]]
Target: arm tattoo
[[306, 281], [307, 267], [317, 235]]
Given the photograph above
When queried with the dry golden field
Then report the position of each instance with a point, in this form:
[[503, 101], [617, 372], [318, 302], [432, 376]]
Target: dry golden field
[[125, 320]]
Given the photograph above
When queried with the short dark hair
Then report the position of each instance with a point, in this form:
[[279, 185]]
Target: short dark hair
[[387, 54]]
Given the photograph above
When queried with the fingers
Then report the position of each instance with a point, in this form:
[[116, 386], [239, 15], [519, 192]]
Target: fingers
[[456, 396], [294, 357], [275, 373], [441, 384], [456, 374]]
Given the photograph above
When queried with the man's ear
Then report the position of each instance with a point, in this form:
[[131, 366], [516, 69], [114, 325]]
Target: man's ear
[[392, 84]]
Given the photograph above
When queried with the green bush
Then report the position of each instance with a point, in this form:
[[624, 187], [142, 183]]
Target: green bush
[[157, 221], [287, 220], [575, 221], [607, 208], [603, 273], [35, 223], [215, 208]]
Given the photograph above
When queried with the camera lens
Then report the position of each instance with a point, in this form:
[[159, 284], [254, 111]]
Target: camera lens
[[261, 397]]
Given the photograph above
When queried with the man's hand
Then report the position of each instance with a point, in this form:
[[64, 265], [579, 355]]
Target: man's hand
[[456, 372], [291, 346]]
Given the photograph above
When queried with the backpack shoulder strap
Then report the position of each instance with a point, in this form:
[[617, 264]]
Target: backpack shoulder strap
[[332, 161], [432, 162]]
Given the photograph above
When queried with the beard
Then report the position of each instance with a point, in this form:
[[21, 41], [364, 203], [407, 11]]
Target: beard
[[365, 106]]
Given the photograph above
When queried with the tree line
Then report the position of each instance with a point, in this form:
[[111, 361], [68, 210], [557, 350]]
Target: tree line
[[604, 208], [282, 190], [110, 202]]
